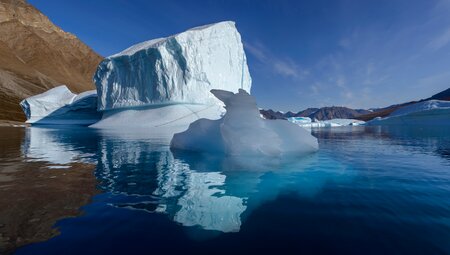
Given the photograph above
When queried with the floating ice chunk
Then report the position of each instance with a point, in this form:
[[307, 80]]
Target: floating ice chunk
[[300, 120], [304, 122], [60, 106], [182, 68], [426, 113], [241, 131]]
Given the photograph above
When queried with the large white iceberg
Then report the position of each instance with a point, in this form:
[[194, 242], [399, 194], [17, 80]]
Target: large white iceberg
[[429, 113], [182, 68], [159, 119], [241, 131], [60, 106]]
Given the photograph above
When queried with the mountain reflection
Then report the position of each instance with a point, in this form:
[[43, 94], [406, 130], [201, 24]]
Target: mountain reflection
[[34, 195], [205, 191]]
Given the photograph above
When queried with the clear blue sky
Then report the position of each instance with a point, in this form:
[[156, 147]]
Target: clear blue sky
[[356, 53]]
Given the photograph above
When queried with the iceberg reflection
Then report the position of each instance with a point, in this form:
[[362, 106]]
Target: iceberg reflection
[[55, 146], [204, 191]]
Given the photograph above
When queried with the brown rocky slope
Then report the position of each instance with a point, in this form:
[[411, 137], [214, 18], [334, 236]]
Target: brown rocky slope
[[36, 55]]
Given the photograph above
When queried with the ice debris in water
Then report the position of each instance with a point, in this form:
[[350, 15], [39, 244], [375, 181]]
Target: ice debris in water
[[241, 131]]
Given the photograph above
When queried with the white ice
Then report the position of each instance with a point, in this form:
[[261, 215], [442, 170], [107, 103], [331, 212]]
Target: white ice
[[162, 119], [60, 106], [428, 113], [241, 131], [308, 123], [182, 68]]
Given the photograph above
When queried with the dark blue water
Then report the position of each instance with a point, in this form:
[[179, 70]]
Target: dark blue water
[[369, 190]]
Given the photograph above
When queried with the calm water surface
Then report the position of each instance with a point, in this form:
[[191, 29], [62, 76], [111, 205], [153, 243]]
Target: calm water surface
[[369, 190]]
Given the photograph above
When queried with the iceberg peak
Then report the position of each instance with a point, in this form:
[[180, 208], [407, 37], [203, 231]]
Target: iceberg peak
[[181, 68]]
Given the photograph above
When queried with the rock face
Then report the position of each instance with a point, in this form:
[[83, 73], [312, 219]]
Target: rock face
[[443, 95], [36, 55], [324, 113], [241, 132], [182, 68], [60, 106], [336, 112]]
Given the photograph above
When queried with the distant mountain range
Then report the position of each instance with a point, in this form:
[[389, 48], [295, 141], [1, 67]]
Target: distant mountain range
[[36, 55], [338, 112], [325, 113]]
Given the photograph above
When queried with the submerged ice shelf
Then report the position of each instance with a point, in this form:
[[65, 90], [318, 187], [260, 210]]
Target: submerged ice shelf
[[241, 131], [169, 118]]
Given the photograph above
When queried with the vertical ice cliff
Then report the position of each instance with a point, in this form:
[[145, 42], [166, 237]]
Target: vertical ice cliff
[[182, 68]]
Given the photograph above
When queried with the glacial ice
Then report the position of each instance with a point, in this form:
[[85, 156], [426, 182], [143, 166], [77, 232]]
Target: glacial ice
[[421, 106], [182, 68], [162, 119], [308, 123], [425, 113], [241, 131], [60, 106]]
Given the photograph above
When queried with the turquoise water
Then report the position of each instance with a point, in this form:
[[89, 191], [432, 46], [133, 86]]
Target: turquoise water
[[369, 190]]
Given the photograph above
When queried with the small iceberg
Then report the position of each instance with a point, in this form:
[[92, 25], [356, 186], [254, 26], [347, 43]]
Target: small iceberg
[[306, 122], [59, 106], [425, 113], [241, 131]]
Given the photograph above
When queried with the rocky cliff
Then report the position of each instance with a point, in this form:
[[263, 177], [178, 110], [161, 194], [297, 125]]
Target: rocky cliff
[[36, 55]]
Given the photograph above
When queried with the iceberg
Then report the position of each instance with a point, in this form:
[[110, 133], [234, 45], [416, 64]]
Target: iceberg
[[241, 131], [182, 68], [60, 106], [300, 120], [161, 84], [160, 119], [308, 123], [425, 113]]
